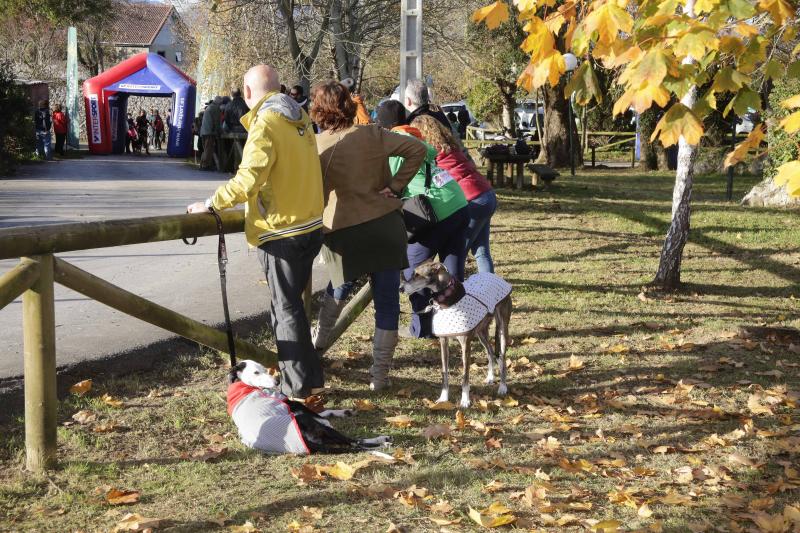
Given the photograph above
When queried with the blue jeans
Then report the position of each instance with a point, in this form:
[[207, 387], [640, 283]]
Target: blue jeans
[[43, 141], [481, 210], [446, 240], [385, 297]]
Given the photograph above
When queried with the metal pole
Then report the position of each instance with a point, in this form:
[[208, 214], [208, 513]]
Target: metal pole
[[729, 191], [39, 331], [410, 43]]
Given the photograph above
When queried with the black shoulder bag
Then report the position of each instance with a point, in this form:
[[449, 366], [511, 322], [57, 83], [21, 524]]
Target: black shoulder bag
[[418, 212]]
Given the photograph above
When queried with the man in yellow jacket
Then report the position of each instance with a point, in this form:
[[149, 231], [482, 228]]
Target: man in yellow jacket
[[280, 182]]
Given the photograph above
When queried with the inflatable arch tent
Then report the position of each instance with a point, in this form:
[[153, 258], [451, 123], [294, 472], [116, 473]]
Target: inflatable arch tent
[[106, 99]]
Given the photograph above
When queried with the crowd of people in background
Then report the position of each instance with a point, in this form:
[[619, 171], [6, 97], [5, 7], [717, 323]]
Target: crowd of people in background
[[340, 194], [147, 130]]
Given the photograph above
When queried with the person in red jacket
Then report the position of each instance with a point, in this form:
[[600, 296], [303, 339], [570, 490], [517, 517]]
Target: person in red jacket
[[60, 128], [481, 199]]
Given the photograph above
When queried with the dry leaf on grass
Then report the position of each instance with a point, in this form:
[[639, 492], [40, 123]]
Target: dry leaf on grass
[[111, 401], [438, 406], [81, 387], [436, 431], [364, 405], [575, 363], [122, 497], [461, 420], [394, 528], [296, 527], [645, 511], [607, 526], [441, 507], [495, 515], [413, 496], [247, 527], [755, 406], [400, 421], [493, 443], [444, 521], [209, 454], [528, 341], [84, 417], [340, 470], [106, 427], [306, 474], [494, 486], [136, 522]]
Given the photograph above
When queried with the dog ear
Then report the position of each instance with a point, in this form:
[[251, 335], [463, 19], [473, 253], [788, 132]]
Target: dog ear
[[233, 374]]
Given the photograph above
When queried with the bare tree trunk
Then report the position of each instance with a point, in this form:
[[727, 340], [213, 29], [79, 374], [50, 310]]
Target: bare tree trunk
[[303, 61], [668, 276], [555, 148], [509, 104]]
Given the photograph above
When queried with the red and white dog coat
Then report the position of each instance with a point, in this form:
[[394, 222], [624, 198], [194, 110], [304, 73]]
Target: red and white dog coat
[[264, 420], [482, 294]]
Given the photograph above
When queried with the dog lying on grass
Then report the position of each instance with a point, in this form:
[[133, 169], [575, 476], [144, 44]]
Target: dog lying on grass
[[463, 312], [268, 421]]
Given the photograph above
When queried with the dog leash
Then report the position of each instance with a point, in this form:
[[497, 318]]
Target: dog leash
[[222, 261]]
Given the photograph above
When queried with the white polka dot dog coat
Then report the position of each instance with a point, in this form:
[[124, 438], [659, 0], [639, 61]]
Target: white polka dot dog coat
[[483, 293]]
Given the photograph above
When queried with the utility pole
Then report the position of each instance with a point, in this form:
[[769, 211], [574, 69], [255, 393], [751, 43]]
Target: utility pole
[[410, 43]]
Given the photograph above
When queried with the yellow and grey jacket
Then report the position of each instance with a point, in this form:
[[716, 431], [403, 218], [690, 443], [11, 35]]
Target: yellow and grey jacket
[[279, 179]]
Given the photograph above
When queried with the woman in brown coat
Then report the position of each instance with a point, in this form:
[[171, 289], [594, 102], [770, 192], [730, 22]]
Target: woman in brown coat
[[362, 223]]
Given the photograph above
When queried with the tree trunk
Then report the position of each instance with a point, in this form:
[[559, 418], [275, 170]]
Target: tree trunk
[[509, 104], [302, 61], [555, 148], [668, 276]]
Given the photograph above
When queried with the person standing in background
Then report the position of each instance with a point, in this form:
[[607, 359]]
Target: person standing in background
[[59, 128], [209, 131], [42, 124]]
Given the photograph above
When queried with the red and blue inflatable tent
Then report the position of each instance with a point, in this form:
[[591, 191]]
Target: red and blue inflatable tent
[[106, 99]]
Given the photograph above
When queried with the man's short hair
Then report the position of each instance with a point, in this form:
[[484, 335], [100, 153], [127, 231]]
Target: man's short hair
[[236, 92], [417, 92]]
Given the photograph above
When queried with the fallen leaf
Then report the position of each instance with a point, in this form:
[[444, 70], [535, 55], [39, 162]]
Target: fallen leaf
[[106, 427], [438, 406], [306, 473], [754, 404], [296, 527], [84, 417], [436, 431], [441, 507], [493, 443], [575, 363], [122, 497], [394, 528], [209, 454], [461, 420], [495, 519], [607, 526], [111, 401], [444, 521], [741, 459], [247, 527], [136, 522], [644, 511], [81, 387], [527, 341], [494, 486], [400, 421], [340, 470], [364, 405]]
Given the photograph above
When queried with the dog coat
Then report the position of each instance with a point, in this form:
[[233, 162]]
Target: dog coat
[[264, 420], [483, 293]]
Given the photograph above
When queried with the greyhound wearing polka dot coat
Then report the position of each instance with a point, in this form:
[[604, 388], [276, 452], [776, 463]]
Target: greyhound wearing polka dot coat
[[463, 311]]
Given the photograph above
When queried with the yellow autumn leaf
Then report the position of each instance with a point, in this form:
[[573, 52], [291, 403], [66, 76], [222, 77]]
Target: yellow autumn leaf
[[791, 103], [677, 122], [340, 470], [641, 98], [525, 6], [789, 175], [438, 406], [364, 405], [791, 123], [705, 6], [400, 421], [81, 387], [492, 15], [122, 497], [608, 20], [539, 42], [607, 526], [110, 400], [491, 521], [780, 10], [546, 70], [753, 141]]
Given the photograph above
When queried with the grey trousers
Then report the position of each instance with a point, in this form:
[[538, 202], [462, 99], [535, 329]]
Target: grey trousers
[[287, 264]]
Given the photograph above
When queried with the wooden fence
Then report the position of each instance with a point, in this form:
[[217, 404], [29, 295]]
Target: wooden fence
[[39, 269]]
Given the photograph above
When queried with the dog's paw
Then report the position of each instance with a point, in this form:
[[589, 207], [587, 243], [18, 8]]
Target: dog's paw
[[489, 379], [443, 397], [502, 390], [464, 403]]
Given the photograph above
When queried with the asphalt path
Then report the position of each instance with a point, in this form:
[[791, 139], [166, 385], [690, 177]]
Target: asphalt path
[[179, 277]]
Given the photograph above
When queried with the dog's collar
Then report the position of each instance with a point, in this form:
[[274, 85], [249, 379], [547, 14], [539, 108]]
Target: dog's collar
[[451, 295]]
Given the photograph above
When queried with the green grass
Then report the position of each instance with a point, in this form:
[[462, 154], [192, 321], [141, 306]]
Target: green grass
[[578, 256]]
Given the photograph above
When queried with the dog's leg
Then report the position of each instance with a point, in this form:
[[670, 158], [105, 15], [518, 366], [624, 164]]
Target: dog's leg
[[445, 349], [503, 318], [336, 413], [376, 442], [466, 360], [483, 336]]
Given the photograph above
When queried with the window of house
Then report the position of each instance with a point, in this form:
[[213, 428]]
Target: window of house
[[162, 53], [178, 57]]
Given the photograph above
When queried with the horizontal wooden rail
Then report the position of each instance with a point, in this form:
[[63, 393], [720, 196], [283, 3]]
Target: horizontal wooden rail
[[131, 304], [26, 241], [18, 280]]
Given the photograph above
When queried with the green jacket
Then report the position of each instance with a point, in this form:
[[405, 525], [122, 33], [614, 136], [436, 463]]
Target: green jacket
[[445, 193]]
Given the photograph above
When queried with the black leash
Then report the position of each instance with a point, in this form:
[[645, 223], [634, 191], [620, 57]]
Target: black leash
[[222, 261]]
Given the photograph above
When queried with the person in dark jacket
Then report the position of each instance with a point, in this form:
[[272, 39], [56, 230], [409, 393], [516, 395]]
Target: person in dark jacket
[[298, 95], [209, 131], [237, 108], [42, 124], [59, 128], [142, 125], [418, 103]]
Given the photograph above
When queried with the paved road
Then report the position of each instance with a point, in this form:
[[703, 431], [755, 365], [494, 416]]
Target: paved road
[[170, 273]]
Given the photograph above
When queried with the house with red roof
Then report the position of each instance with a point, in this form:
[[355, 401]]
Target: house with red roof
[[142, 26]]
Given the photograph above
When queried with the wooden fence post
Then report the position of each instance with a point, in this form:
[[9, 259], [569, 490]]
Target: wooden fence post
[[38, 319]]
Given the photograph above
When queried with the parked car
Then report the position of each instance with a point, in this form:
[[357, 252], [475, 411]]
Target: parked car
[[747, 122], [525, 112]]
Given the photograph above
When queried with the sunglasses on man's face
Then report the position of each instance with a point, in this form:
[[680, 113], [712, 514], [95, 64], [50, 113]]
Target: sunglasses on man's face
[[293, 95]]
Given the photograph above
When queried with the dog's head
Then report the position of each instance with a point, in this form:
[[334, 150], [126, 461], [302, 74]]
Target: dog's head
[[428, 275], [253, 374]]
